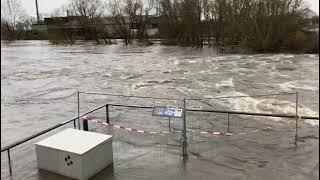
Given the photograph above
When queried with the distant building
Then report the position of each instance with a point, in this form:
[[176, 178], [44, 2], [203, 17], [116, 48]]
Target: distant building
[[56, 26]]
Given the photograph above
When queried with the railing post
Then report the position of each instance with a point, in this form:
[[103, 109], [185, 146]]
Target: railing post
[[296, 132], [169, 124], [228, 124], [9, 159], [78, 109], [85, 125], [107, 113], [74, 124], [184, 132]]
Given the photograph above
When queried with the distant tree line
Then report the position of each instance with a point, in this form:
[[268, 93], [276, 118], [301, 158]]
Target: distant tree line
[[261, 25]]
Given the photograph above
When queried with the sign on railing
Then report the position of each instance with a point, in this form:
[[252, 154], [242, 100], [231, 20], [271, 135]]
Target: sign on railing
[[164, 111]]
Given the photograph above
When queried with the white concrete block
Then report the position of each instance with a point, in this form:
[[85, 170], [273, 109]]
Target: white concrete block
[[75, 153]]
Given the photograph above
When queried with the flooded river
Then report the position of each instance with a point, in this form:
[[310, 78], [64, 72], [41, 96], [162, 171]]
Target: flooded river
[[38, 89]]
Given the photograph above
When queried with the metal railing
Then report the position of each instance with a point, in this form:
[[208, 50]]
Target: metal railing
[[17, 143], [293, 116], [108, 105]]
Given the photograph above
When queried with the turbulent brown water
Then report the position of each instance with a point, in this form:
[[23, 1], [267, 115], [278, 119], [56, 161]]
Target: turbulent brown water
[[39, 81]]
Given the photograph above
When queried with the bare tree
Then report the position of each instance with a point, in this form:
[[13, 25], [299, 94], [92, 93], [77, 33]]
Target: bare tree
[[183, 21], [131, 18], [263, 25], [139, 11], [90, 13], [169, 26], [12, 14], [121, 22]]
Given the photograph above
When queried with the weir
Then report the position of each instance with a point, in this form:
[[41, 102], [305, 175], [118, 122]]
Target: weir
[[85, 117]]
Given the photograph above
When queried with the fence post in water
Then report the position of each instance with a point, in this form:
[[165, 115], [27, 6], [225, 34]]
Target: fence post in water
[[296, 134], [169, 124], [228, 124], [184, 132], [107, 113], [85, 125], [78, 110], [9, 159]]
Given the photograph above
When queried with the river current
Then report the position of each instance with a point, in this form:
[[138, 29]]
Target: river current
[[39, 81]]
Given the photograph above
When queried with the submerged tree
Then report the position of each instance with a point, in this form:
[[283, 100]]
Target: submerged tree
[[90, 14], [120, 22], [130, 18], [263, 25]]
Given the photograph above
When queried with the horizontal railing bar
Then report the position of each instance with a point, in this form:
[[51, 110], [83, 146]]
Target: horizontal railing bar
[[142, 97], [257, 95], [256, 114], [93, 110], [46, 130], [36, 135], [226, 112], [132, 106]]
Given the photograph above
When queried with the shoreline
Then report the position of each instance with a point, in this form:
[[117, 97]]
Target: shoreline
[[227, 49]]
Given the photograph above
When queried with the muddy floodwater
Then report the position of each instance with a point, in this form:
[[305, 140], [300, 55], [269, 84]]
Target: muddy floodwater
[[39, 82]]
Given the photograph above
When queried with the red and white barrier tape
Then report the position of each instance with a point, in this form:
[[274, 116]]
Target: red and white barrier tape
[[151, 132]]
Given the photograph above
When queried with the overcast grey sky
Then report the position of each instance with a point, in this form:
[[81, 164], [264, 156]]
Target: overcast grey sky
[[47, 6]]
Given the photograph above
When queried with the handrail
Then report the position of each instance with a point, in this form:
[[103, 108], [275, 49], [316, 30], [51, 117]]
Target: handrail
[[227, 112], [256, 95], [35, 135], [257, 114], [46, 130]]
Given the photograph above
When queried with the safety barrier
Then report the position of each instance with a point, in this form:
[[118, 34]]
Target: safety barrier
[[87, 118], [98, 121], [183, 132]]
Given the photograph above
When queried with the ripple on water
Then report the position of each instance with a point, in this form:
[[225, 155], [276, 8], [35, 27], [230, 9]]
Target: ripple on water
[[292, 85], [225, 84]]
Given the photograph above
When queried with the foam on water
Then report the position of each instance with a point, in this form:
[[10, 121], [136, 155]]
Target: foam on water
[[290, 85], [137, 86], [225, 83], [134, 76], [288, 56], [312, 55], [272, 106], [312, 122], [193, 61], [185, 90], [204, 84], [219, 58]]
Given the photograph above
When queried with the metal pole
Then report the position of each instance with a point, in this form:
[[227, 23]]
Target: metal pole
[[169, 124], [296, 134], [107, 113], [9, 159], [85, 125], [78, 110], [38, 18], [228, 124], [184, 135], [74, 124]]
